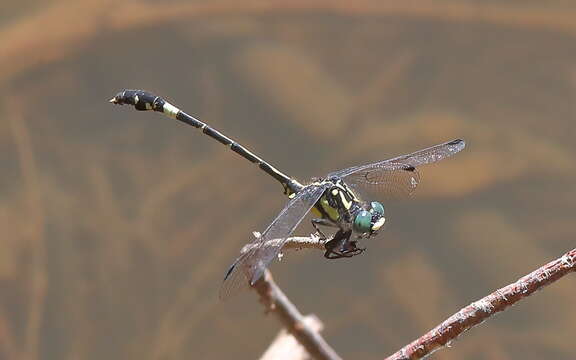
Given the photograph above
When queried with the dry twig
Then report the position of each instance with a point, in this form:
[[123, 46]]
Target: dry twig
[[437, 338], [292, 243], [276, 301], [480, 310], [286, 346]]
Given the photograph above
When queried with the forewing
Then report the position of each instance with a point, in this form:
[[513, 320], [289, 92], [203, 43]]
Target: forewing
[[398, 176], [261, 251], [385, 183]]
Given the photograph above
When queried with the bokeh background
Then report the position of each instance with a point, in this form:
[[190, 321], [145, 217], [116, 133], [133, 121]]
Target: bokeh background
[[117, 226]]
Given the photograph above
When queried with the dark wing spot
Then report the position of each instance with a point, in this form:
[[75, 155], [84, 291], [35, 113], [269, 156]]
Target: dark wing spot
[[229, 271], [455, 142]]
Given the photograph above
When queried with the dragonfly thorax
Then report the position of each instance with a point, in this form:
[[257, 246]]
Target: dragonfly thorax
[[337, 203], [342, 206]]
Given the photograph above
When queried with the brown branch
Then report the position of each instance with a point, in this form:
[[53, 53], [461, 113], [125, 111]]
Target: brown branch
[[293, 243], [276, 301], [287, 347], [479, 311]]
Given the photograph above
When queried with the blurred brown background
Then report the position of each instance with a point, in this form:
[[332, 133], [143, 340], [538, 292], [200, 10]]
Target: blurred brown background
[[117, 226]]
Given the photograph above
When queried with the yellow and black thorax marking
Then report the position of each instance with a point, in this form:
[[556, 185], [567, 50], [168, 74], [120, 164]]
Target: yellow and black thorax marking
[[336, 202]]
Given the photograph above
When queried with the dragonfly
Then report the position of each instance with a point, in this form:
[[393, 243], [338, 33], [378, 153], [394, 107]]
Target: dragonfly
[[334, 199]]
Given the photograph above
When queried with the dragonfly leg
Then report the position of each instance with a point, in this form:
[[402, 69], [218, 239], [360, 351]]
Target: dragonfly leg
[[352, 249], [323, 222], [341, 246]]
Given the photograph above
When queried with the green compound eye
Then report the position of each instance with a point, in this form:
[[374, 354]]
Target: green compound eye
[[363, 222], [377, 208]]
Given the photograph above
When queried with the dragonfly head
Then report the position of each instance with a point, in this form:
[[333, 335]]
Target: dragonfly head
[[369, 221]]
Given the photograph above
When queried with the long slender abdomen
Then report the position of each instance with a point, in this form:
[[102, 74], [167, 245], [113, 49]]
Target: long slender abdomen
[[145, 101]]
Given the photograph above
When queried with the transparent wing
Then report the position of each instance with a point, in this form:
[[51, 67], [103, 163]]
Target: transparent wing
[[385, 184], [398, 176], [261, 251]]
